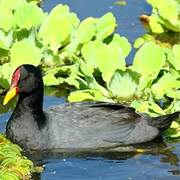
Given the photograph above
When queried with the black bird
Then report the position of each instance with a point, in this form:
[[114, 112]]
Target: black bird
[[74, 126]]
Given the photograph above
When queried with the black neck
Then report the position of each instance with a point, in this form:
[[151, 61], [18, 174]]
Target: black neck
[[31, 104]]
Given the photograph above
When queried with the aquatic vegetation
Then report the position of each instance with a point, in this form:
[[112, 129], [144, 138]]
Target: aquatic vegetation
[[165, 16], [163, 24], [121, 2], [13, 165]]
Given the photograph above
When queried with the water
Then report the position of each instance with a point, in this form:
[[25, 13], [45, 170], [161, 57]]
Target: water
[[161, 161]]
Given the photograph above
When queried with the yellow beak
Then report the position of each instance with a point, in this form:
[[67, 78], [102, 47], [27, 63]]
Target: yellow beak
[[10, 94]]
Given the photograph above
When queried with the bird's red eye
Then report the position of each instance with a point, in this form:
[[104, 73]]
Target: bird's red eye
[[15, 78]]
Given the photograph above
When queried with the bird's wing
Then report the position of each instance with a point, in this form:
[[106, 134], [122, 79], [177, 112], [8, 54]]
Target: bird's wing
[[118, 123], [102, 123]]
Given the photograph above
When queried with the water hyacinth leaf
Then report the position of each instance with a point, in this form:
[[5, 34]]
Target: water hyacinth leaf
[[176, 57], [50, 80], [105, 26], [155, 26], [75, 80], [88, 51], [88, 95], [124, 84], [123, 43], [173, 107], [28, 15], [139, 42], [4, 84], [87, 72], [84, 33], [143, 39], [173, 131], [13, 164], [150, 108], [149, 59], [79, 96], [109, 58], [9, 176], [166, 83], [145, 81], [6, 9], [7, 6], [174, 94], [6, 39], [85, 69], [86, 30], [168, 9], [6, 22], [58, 26], [6, 72], [24, 52], [64, 10], [167, 12]]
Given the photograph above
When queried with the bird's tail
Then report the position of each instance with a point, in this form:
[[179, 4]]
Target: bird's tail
[[164, 122]]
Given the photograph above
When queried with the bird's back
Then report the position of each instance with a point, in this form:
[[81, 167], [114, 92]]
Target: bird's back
[[96, 125]]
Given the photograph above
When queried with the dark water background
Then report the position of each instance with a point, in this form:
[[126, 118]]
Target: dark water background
[[161, 162]]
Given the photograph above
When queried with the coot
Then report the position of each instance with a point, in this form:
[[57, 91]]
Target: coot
[[74, 126]]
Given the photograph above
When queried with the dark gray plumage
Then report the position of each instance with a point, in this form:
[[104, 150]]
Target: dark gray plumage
[[75, 126]]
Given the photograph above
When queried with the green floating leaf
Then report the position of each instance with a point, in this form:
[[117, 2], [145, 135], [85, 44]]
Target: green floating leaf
[[6, 39], [24, 52], [139, 42], [87, 72], [176, 57], [155, 26], [149, 59], [28, 15], [147, 107], [124, 85], [57, 27], [123, 43], [173, 94], [50, 80], [7, 6], [6, 22], [84, 33], [89, 50], [109, 58], [5, 75], [166, 83], [174, 106], [14, 166], [105, 26], [86, 30], [6, 9], [9, 176], [173, 131], [167, 13], [143, 39], [87, 95], [79, 96]]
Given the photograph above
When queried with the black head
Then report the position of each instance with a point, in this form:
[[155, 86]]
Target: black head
[[26, 80], [30, 79]]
